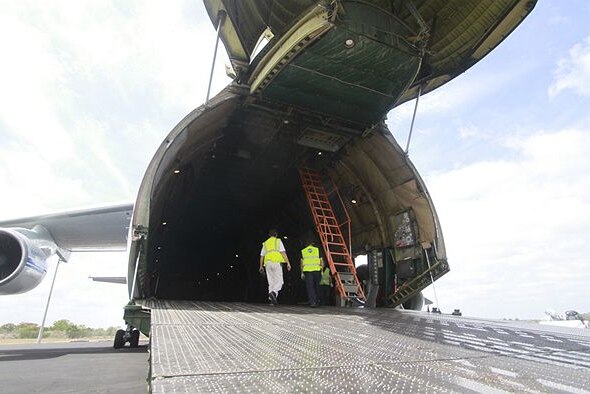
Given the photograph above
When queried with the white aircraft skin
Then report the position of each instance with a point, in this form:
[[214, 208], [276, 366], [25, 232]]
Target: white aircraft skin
[[562, 320]]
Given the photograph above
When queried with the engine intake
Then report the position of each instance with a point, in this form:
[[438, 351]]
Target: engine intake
[[23, 264]]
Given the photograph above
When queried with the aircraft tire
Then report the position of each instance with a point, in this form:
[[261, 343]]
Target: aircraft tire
[[119, 339], [134, 341]]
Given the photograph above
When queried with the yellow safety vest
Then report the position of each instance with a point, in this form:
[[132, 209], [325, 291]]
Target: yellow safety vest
[[273, 254], [325, 277], [311, 259]]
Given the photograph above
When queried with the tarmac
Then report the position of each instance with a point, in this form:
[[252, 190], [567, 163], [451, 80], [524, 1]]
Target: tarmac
[[75, 367]]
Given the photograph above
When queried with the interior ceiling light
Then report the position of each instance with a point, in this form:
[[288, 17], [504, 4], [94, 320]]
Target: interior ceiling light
[[319, 153], [349, 43], [177, 171], [163, 223], [285, 237], [353, 201], [236, 255]]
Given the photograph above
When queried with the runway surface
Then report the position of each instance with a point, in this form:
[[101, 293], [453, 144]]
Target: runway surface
[[232, 347], [79, 367]]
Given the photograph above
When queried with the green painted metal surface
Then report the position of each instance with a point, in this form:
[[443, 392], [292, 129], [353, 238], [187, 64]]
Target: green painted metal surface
[[455, 34], [139, 317], [356, 71]]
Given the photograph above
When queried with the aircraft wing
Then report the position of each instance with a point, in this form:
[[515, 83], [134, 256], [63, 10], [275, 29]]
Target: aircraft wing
[[110, 279], [85, 229]]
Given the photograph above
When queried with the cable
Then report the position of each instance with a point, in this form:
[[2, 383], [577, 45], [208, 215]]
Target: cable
[[431, 277]]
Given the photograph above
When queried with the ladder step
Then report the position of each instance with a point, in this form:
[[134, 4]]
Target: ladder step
[[324, 211]]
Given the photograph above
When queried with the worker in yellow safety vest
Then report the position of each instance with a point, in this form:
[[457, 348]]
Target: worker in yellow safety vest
[[325, 286], [311, 267], [272, 255]]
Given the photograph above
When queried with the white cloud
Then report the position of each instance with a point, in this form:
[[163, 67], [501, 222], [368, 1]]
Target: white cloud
[[89, 90], [573, 71], [469, 131], [516, 229], [467, 90], [29, 76]]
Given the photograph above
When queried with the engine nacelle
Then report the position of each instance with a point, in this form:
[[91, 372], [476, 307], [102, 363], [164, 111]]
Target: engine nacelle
[[23, 264]]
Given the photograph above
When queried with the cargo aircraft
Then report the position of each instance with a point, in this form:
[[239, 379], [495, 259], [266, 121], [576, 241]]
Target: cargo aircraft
[[313, 81]]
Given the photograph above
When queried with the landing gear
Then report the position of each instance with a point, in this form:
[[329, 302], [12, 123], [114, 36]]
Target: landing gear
[[131, 335], [119, 339], [134, 340]]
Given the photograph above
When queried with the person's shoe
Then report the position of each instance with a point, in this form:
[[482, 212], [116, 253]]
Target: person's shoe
[[273, 297]]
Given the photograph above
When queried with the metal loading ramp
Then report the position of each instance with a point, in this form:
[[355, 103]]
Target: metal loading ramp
[[200, 347]]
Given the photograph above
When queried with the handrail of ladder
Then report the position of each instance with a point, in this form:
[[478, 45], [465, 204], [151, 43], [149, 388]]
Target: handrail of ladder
[[347, 221]]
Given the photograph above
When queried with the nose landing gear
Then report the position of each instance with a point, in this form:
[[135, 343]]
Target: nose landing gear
[[131, 335]]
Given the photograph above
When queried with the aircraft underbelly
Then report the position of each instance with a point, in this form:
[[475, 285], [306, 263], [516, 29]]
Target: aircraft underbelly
[[326, 80], [356, 70], [237, 347]]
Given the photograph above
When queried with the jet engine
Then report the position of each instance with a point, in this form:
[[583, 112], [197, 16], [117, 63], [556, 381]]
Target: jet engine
[[23, 263]]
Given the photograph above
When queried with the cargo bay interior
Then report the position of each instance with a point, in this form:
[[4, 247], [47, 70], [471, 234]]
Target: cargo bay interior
[[232, 173]]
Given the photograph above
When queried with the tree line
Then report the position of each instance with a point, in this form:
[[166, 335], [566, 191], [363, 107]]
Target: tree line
[[59, 329]]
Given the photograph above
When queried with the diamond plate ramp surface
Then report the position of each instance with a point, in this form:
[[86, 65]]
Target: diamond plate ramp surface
[[235, 347]]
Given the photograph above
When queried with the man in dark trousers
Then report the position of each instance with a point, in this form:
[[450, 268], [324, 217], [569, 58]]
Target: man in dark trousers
[[311, 267]]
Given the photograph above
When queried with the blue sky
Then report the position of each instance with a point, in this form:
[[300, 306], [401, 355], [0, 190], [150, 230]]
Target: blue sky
[[89, 90]]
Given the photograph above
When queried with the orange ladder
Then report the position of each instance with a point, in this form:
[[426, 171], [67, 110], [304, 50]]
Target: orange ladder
[[336, 251]]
